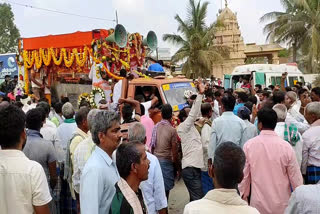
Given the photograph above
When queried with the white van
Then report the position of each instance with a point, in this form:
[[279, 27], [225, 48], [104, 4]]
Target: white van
[[265, 74]]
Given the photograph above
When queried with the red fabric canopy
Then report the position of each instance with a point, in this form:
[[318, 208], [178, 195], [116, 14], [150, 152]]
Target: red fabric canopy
[[71, 40]]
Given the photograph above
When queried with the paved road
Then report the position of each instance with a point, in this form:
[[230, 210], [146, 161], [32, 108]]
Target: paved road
[[178, 198]]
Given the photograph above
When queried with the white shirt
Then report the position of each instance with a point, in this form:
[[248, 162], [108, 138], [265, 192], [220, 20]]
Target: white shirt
[[251, 130], [298, 120], [147, 106], [216, 110], [51, 135], [80, 157], [65, 132], [305, 199], [152, 189], [223, 201], [311, 147], [205, 139], [298, 148], [117, 91], [191, 139], [23, 183], [50, 123]]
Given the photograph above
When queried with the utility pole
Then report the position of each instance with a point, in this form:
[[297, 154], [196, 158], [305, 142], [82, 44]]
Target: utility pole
[[117, 21]]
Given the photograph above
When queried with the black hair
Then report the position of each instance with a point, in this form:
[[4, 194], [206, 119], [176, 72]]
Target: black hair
[[242, 96], [18, 98], [6, 76], [253, 99], [266, 94], [228, 102], [18, 104], [139, 98], [209, 93], [85, 103], [229, 162], [217, 94], [193, 97], [160, 62], [147, 88], [288, 88], [127, 111], [316, 90], [123, 72], [166, 112], [278, 97], [103, 101], [205, 109], [65, 100], [183, 113], [258, 86], [259, 91], [271, 87], [249, 105], [301, 91], [12, 124], [229, 90], [58, 107], [268, 117], [142, 109], [45, 106], [34, 118], [81, 115], [15, 76], [127, 154]]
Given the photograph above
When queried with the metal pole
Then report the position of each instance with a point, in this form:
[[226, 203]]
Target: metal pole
[[117, 17]]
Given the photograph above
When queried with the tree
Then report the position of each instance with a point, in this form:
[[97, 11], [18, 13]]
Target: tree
[[9, 33], [196, 42], [285, 27], [299, 27]]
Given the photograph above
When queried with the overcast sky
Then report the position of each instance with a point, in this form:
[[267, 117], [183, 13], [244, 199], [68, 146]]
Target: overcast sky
[[136, 15]]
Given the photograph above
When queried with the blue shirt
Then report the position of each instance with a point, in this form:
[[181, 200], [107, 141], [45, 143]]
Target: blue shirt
[[152, 189], [236, 108], [156, 67], [97, 185], [227, 128]]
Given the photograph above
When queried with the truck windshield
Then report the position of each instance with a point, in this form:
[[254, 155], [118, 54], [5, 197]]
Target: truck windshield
[[174, 93]]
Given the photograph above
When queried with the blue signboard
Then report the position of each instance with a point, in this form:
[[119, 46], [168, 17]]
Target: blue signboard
[[8, 66]]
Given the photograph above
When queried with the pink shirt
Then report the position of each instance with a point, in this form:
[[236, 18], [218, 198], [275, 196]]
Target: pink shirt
[[271, 168], [148, 123]]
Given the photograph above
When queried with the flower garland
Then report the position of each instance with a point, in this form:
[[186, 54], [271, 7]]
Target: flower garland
[[46, 56], [83, 96], [93, 94], [54, 57]]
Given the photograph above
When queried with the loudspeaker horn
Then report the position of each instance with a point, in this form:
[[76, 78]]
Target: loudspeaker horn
[[119, 36], [151, 41]]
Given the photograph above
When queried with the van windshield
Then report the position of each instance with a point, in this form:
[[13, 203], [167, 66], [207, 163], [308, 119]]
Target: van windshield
[[174, 93]]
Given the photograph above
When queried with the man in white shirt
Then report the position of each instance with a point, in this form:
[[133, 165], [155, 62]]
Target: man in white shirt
[[294, 115], [305, 199], [23, 183], [288, 132], [227, 172], [152, 189], [192, 160], [311, 146], [118, 87], [204, 125]]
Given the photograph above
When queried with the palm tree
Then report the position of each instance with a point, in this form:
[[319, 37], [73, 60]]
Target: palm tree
[[311, 36], [298, 26], [285, 27], [196, 42]]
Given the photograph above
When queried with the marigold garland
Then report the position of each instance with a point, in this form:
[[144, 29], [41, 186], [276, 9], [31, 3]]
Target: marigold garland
[[54, 57], [38, 59]]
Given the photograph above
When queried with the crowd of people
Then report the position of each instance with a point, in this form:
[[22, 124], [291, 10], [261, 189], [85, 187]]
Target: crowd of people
[[248, 150]]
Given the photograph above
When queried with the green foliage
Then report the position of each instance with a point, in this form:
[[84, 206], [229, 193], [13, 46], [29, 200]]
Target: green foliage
[[196, 42], [298, 26], [9, 33], [284, 53]]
